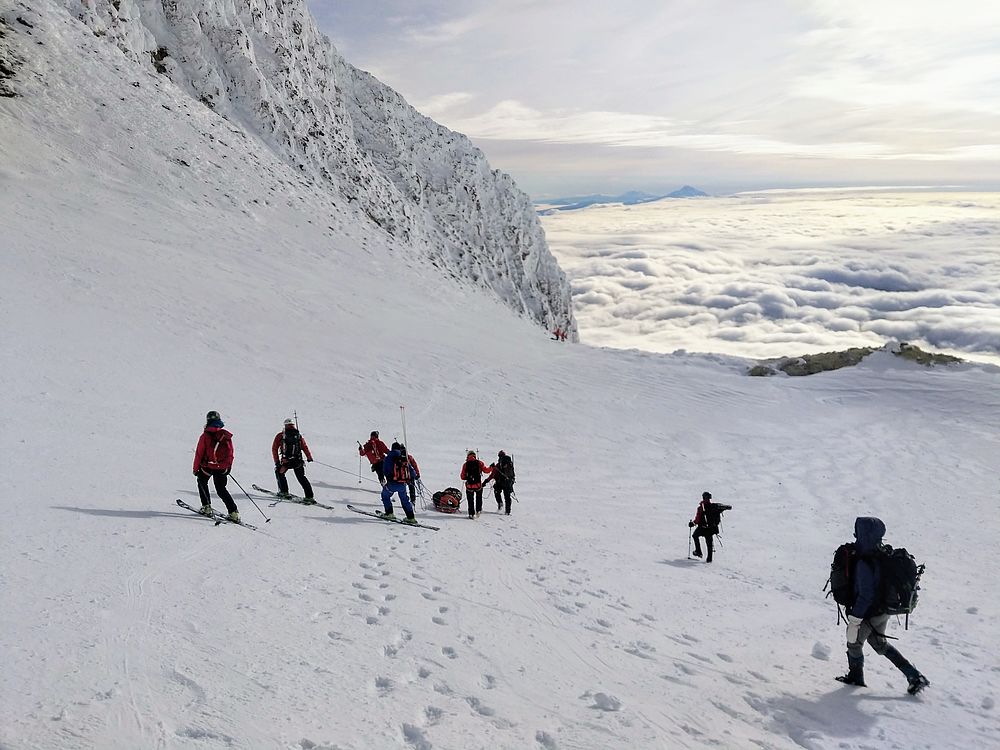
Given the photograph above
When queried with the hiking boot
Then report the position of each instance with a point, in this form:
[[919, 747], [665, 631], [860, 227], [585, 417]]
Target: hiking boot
[[917, 684], [477, 515], [847, 679], [308, 501], [472, 517], [507, 513], [234, 516], [697, 553], [206, 510]]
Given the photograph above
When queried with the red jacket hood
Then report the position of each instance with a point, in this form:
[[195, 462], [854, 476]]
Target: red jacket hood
[[220, 433]]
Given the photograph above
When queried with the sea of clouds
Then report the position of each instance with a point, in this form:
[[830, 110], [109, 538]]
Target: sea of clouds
[[781, 273]]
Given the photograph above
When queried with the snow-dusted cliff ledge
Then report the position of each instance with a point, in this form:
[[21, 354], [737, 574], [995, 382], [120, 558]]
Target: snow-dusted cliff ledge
[[264, 65]]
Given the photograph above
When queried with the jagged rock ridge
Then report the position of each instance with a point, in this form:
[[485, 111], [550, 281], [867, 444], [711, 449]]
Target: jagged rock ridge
[[264, 65]]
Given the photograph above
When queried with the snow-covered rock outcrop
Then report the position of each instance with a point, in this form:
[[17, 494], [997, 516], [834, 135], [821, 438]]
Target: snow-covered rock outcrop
[[264, 66]]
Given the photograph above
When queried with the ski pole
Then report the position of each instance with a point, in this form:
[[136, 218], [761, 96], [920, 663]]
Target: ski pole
[[402, 415], [345, 471], [361, 462], [689, 544], [266, 519]]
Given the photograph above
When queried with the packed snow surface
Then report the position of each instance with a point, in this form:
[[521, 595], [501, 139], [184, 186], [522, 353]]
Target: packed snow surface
[[139, 292]]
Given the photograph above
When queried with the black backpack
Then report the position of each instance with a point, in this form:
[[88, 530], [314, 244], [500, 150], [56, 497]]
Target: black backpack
[[291, 445], [841, 580], [473, 474], [506, 468], [714, 511], [899, 581]]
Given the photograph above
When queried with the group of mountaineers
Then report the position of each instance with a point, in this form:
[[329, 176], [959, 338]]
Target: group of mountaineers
[[397, 472], [870, 580]]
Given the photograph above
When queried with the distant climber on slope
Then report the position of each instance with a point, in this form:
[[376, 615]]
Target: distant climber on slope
[[287, 450], [707, 519], [375, 451], [472, 474], [398, 474]]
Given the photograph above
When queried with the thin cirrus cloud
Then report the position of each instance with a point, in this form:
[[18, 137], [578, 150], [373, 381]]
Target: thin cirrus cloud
[[897, 90], [787, 273]]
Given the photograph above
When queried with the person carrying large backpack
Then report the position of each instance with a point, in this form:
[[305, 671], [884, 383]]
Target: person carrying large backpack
[[472, 474], [503, 480], [707, 518], [213, 459], [868, 577], [398, 474], [375, 451], [287, 450]]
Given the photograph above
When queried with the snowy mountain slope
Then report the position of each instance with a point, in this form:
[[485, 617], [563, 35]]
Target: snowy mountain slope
[[264, 66], [138, 293]]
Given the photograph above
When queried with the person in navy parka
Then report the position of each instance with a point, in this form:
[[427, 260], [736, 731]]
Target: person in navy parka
[[865, 621], [398, 474]]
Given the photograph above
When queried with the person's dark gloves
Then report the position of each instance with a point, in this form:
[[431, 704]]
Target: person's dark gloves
[[690, 524]]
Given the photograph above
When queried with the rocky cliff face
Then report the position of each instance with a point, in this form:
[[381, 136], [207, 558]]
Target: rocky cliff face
[[264, 66]]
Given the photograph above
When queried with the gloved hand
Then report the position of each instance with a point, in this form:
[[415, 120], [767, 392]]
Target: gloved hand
[[690, 524], [853, 627], [197, 472], [277, 466]]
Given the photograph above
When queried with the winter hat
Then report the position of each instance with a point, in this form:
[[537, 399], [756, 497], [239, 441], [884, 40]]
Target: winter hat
[[501, 454], [212, 415], [289, 421], [395, 446], [470, 454], [706, 495], [212, 419], [374, 434]]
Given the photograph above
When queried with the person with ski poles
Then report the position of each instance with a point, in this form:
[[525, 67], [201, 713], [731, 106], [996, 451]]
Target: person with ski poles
[[472, 474], [213, 459], [375, 451], [287, 450], [707, 518], [503, 480], [398, 474]]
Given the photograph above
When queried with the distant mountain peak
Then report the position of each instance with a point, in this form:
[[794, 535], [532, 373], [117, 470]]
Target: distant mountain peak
[[629, 198]]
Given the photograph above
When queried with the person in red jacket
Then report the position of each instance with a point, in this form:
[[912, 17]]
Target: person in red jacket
[[287, 450], [376, 451], [213, 459], [472, 474]]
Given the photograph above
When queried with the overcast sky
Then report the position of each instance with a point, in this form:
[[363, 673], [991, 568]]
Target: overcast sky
[[577, 96]]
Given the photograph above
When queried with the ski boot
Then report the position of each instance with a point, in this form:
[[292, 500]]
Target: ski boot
[[234, 516], [308, 501], [206, 510], [390, 516], [410, 520], [855, 673]]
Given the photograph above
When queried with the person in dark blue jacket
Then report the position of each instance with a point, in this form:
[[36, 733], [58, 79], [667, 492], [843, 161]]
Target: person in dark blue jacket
[[398, 474], [865, 620]]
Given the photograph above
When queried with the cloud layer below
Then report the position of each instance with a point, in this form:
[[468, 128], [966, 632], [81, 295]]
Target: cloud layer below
[[785, 273]]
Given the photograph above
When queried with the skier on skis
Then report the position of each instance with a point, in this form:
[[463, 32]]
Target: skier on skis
[[707, 519], [287, 449], [865, 621], [472, 474], [503, 480], [375, 450], [398, 473], [213, 459]]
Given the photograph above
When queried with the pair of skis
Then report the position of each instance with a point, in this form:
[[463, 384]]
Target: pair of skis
[[216, 516], [289, 499], [382, 516]]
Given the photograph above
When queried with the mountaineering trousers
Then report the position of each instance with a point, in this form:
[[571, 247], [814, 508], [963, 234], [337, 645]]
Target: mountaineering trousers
[[387, 493], [221, 478], [474, 507], [300, 474], [872, 630], [703, 531], [377, 468], [506, 490]]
